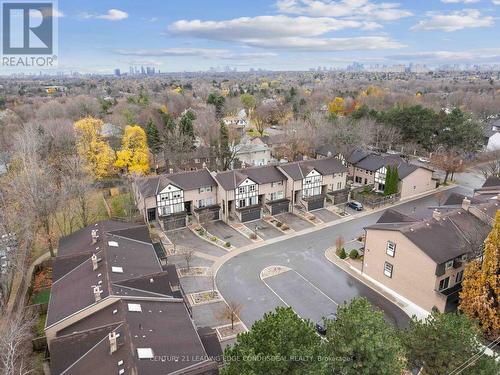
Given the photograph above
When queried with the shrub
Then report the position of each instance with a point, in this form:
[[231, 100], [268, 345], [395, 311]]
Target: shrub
[[201, 231], [312, 217], [342, 254], [228, 244], [353, 254], [284, 227], [213, 238], [360, 238], [279, 224], [253, 236]]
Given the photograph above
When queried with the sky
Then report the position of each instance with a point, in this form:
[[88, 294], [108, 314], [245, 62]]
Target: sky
[[191, 35]]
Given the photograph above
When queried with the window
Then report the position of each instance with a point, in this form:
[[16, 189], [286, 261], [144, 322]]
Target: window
[[251, 188], [390, 248], [339, 185], [241, 203], [241, 190], [145, 353], [276, 195], [205, 202], [443, 284], [459, 277], [278, 183], [205, 189], [135, 307], [464, 257], [448, 264], [115, 269], [388, 269]]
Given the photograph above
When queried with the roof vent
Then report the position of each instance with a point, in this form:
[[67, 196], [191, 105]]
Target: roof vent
[[436, 214], [122, 371], [115, 311], [113, 345], [95, 235], [151, 280], [466, 204], [135, 307], [120, 362], [94, 262], [145, 353], [97, 293]]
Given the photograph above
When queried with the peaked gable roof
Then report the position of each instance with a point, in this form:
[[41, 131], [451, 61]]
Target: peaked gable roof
[[299, 170], [230, 180]]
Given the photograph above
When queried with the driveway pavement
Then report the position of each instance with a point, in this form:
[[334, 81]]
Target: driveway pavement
[[239, 278], [226, 233], [293, 221], [184, 237], [325, 215], [264, 229]]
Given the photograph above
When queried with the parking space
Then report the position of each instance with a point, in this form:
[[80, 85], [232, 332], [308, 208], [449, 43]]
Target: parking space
[[264, 229], [226, 233], [301, 295], [293, 221], [185, 238], [325, 215]]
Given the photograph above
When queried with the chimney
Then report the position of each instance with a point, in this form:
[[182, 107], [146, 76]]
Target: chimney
[[97, 293], [113, 346], [95, 235], [466, 204], [436, 214], [94, 262]]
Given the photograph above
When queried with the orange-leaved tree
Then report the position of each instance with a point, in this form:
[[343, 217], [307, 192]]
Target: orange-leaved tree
[[481, 286]]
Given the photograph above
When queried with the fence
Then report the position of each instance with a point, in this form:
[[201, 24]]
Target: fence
[[374, 200]]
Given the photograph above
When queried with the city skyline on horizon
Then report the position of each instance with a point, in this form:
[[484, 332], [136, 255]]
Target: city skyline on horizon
[[276, 35]]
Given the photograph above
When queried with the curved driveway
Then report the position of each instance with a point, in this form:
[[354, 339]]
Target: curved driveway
[[238, 279]]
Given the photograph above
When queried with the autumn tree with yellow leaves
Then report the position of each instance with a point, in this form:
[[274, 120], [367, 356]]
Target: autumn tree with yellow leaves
[[134, 155], [93, 148], [336, 106], [479, 298]]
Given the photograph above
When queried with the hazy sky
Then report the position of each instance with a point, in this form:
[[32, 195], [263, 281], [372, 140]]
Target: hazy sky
[[192, 35]]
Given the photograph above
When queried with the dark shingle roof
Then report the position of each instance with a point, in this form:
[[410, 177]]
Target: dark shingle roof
[[492, 181], [393, 216], [230, 180], [189, 180], [357, 155], [442, 239], [299, 170], [326, 150]]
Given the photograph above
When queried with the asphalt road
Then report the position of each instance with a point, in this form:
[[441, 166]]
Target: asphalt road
[[239, 278]]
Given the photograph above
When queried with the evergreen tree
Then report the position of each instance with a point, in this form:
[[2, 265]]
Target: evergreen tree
[[218, 102], [443, 342], [186, 124], [153, 135], [361, 342], [280, 343]]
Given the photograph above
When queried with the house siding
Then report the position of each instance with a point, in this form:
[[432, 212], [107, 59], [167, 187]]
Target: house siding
[[419, 181]]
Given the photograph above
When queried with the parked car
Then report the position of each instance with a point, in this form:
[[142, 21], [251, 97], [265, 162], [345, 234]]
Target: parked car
[[355, 205], [321, 324], [424, 160]]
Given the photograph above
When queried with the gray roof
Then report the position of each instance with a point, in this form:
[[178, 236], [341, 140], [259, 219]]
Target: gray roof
[[327, 150], [392, 216], [443, 239], [230, 180], [299, 170], [373, 162], [357, 155], [491, 181], [188, 180]]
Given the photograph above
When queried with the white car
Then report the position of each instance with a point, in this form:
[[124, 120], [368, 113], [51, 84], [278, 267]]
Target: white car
[[424, 160]]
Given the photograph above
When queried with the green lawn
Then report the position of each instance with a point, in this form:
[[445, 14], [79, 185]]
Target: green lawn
[[41, 325], [121, 205], [41, 297]]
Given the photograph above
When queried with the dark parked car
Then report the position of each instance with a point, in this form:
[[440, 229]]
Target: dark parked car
[[355, 205], [321, 326]]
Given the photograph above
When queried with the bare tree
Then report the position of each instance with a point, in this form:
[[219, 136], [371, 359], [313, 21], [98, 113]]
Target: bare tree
[[188, 254], [450, 162], [15, 343], [230, 313]]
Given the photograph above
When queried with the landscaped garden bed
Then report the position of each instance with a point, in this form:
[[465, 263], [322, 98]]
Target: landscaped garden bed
[[192, 271], [227, 332], [278, 224], [202, 232], [201, 298]]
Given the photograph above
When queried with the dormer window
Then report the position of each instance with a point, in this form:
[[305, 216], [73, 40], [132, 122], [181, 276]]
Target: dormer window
[[448, 264]]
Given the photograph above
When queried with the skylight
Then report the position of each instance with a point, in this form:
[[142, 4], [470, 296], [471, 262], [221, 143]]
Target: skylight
[[113, 243], [145, 353], [117, 269], [134, 307]]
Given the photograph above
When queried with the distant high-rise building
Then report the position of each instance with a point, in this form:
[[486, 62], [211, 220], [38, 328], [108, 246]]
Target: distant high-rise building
[[117, 72], [131, 70], [142, 70]]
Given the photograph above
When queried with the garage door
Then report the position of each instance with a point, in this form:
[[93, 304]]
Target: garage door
[[315, 204], [249, 215], [280, 208], [174, 223]]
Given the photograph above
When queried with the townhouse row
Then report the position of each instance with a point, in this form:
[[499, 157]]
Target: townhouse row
[[243, 195]]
